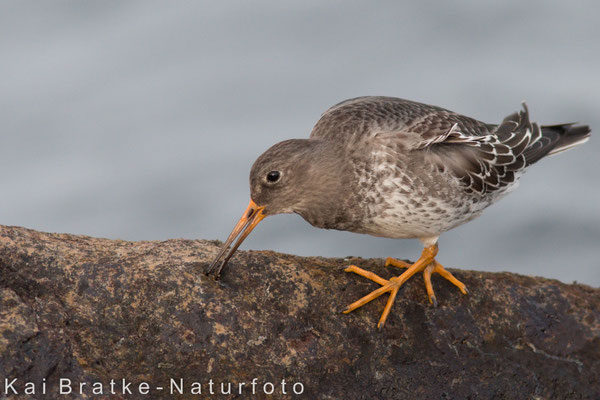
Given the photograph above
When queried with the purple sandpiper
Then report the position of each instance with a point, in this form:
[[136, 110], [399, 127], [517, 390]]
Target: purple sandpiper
[[395, 168]]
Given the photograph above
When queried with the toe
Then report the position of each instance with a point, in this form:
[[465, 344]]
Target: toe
[[396, 263], [388, 308], [364, 300], [367, 274]]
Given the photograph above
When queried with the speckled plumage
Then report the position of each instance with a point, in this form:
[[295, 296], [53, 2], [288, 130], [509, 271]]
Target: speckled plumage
[[409, 170]]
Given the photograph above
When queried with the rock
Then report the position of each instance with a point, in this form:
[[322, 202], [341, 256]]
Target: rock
[[90, 310]]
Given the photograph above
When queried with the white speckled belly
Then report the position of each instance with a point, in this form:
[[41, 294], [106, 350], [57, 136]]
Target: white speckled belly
[[403, 204]]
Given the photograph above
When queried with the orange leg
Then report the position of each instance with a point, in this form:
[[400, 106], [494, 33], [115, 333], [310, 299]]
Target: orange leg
[[426, 263]]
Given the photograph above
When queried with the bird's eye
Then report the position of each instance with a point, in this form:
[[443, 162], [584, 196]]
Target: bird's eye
[[273, 176]]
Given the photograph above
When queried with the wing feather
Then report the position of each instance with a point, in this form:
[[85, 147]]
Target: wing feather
[[500, 153]]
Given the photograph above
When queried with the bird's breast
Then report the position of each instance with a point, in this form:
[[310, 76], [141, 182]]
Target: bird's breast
[[405, 198]]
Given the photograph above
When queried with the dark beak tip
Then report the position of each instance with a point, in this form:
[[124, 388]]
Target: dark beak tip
[[216, 277], [213, 271]]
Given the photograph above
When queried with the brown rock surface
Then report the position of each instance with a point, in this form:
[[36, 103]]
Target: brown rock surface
[[92, 310]]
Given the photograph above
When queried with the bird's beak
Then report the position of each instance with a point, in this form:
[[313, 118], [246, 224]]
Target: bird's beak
[[252, 216]]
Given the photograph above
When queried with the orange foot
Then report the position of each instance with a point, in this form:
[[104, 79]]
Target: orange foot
[[425, 263]]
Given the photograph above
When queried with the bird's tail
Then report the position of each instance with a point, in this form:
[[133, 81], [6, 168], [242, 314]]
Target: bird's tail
[[544, 140], [568, 136]]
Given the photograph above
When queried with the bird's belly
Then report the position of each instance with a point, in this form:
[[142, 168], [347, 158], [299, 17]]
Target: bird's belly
[[413, 200], [414, 216]]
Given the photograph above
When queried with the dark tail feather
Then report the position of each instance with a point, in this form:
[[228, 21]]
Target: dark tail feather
[[569, 136], [556, 139]]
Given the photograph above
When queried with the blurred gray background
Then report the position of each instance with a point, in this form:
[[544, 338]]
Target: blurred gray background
[[140, 119]]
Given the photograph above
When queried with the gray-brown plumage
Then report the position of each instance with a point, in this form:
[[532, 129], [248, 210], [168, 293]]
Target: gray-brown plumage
[[400, 169]]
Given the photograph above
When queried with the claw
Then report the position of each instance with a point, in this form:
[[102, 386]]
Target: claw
[[433, 301]]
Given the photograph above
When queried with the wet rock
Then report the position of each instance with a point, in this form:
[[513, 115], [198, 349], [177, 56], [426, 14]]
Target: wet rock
[[89, 310]]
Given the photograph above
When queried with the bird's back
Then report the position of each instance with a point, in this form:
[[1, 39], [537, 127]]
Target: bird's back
[[423, 169], [365, 116]]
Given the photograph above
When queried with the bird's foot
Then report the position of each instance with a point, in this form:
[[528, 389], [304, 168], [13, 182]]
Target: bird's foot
[[425, 263]]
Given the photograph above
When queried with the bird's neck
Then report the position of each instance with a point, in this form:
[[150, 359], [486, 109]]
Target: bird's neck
[[327, 187]]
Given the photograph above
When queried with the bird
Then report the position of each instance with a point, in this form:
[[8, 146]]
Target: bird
[[396, 168]]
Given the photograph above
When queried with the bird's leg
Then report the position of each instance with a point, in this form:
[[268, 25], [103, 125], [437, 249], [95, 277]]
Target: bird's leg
[[392, 285], [425, 263]]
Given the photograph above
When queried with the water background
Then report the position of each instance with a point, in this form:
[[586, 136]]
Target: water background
[[140, 120]]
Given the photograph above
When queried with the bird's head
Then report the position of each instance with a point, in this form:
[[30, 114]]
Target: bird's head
[[290, 177], [281, 177]]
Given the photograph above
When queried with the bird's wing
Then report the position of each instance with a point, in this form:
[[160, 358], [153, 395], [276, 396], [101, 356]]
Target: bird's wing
[[484, 157], [487, 162]]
